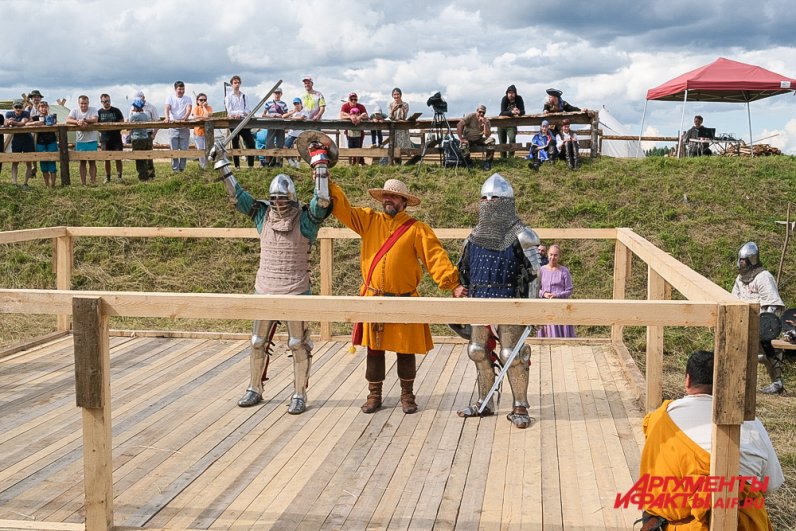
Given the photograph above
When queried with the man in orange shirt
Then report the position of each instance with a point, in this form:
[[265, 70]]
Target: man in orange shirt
[[396, 274]]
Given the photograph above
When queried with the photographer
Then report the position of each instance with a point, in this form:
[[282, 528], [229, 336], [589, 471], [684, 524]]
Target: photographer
[[475, 130]]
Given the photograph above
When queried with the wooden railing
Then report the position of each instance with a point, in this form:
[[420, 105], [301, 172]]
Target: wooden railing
[[735, 326], [335, 128]]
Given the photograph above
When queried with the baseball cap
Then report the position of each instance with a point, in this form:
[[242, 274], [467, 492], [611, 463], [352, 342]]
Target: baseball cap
[[138, 103], [139, 94], [278, 89], [296, 100], [352, 95], [306, 78]]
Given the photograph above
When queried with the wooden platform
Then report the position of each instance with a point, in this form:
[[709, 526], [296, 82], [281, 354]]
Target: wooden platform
[[186, 457]]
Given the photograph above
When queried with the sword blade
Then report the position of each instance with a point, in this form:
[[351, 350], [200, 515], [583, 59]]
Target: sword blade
[[505, 368], [248, 117]]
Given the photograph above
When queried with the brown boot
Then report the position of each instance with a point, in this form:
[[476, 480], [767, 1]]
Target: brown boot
[[374, 398], [408, 403]]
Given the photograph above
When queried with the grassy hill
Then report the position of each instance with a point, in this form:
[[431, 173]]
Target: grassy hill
[[699, 210]]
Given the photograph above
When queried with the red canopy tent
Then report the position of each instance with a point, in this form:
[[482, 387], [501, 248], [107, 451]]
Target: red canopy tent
[[722, 81]]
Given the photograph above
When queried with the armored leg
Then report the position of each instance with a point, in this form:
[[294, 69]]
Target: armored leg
[[517, 373], [485, 373], [300, 345], [773, 362], [262, 334]]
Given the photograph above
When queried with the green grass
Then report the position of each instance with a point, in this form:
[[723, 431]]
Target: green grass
[[700, 210]]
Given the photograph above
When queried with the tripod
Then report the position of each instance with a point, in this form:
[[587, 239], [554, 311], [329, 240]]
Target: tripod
[[439, 130]]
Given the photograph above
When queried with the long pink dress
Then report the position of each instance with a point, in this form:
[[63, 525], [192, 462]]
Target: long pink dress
[[559, 283]]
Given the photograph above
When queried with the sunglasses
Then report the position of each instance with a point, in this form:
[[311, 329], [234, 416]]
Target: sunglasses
[[201, 99]]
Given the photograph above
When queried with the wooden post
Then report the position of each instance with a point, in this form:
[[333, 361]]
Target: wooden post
[[92, 385], [595, 124], [391, 147], [733, 329], [63, 150], [64, 259], [622, 264], [210, 137], [656, 290], [750, 402], [327, 261]]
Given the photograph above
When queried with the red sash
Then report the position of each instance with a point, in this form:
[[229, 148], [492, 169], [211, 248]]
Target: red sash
[[356, 333]]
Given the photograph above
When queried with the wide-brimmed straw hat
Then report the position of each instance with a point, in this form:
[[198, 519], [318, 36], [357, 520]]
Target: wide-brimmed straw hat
[[394, 186]]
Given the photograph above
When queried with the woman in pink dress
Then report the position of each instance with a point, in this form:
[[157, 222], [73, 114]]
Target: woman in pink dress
[[555, 283]]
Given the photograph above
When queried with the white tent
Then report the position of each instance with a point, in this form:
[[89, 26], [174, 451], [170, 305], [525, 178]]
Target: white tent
[[617, 148]]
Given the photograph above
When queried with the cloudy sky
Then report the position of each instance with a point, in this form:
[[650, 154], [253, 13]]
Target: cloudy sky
[[600, 53]]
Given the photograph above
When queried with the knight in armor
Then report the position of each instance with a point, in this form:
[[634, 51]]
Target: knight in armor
[[500, 260], [287, 231], [756, 284]]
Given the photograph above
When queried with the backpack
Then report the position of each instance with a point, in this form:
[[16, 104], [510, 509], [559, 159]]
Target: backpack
[[452, 153]]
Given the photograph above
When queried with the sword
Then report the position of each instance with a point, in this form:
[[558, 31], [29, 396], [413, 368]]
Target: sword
[[221, 144], [505, 368]]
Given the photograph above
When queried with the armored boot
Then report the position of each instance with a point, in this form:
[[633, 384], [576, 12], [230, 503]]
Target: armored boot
[[301, 347], [773, 361], [407, 370], [262, 334], [374, 398], [374, 374]]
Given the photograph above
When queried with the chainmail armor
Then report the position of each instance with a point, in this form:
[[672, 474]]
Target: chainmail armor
[[498, 224]]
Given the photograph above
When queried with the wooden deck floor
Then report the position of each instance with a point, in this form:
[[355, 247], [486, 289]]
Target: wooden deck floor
[[186, 457]]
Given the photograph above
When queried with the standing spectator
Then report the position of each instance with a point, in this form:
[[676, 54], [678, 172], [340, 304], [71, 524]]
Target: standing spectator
[[276, 108], [298, 113], [237, 108], [2, 137], [200, 111], [32, 106], [46, 142], [356, 112], [567, 145], [543, 147], [110, 140], [178, 109], [141, 140], [399, 111], [85, 140], [152, 115], [556, 283], [22, 142], [555, 104], [756, 284], [542, 249], [376, 135], [398, 275], [312, 100], [475, 130], [511, 106]]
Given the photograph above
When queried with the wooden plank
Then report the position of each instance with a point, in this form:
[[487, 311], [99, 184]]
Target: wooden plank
[[64, 261], [40, 526], [162, 232], [28, 344], [532, 510], [326, 266], [753, 347], [731, 349], [654, 353], [724, 461], [92, 376], [552, 516], [622, 268], [353, 309], [27, 235], [684, 279]]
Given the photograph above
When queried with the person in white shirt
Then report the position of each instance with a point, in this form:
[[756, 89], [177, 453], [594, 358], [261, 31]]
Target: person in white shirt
[[178, 109], [238, 108], [85, 140]]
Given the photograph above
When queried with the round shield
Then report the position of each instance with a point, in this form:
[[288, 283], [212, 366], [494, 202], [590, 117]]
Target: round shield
[[308, 137], [770, 326], [789, 320]]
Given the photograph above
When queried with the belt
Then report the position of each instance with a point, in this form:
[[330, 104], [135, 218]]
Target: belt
[[380, 293]]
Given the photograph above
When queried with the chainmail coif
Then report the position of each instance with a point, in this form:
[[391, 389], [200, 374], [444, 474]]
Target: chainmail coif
[[498, 224]]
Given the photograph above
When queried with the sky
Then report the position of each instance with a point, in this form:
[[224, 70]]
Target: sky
[[601, 54]]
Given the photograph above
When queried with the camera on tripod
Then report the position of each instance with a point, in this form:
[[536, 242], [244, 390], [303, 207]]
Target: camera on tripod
[[436, 102]]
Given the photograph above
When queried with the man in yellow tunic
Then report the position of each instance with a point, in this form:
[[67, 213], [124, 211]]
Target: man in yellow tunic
[[396, 274], [678, 446]]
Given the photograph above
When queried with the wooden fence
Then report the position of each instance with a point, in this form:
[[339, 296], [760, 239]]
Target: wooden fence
[[734, 323], [422, 128]]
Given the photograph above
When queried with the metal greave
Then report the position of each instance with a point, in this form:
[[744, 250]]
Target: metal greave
[[300, 345], [261, 335], [476, 350], [517, 373]]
